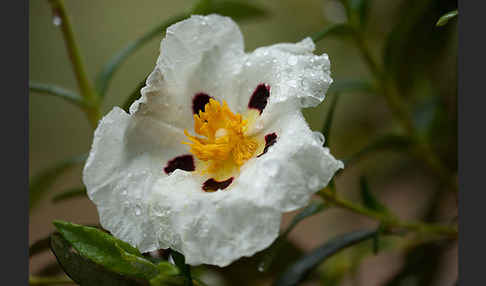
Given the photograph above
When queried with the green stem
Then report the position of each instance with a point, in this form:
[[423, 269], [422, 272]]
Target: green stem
[[388, 220], [49, 280], [85, 85], [402, 114]]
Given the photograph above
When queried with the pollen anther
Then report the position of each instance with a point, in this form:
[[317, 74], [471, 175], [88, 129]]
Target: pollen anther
[[222, 141]]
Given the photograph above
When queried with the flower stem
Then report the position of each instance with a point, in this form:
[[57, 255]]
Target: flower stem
[[86, 87], [49, 280], [401, 111], [388, 220]]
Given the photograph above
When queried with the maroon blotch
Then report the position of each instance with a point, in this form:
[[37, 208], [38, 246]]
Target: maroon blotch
[[199, 102], [259, 98], [270, 139], [184, 162], [211, 185]]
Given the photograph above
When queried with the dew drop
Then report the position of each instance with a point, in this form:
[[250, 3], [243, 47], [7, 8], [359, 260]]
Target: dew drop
[[319, 137], [313, 183], [137, 211], [56, 20], [292, 60]]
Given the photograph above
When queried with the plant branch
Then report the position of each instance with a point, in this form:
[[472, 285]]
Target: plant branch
[[402, 113], [85, 85], [388, 220]]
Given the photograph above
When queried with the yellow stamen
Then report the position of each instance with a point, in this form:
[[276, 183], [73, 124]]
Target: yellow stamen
[[224, 143]]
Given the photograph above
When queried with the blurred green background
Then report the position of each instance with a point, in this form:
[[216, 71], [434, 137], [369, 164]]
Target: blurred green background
[[426, 73]]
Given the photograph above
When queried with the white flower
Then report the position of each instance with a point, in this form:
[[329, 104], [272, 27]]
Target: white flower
[[212, 185]]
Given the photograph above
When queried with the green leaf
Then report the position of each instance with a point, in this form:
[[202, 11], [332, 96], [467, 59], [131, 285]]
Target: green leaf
[[298, 271], [106, 74], [43, 244], [202, 7], [312, 209], [107, 251], [83, 270], [340, 29], [360, 8], [369, 200], [180, 262], [134, 95], [50, 89], [352, 85], [238, 10], [39, 185], [326, 130], [376, 239], [446, 18], [163, 280], [167, 275], [390, 141], [69, 194]]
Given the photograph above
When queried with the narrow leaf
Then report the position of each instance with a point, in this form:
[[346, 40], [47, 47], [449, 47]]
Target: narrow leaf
[[180, 262], [312, 209], [69, 194], [376, 239], [50, 89], [390, 141], [39, 185], [352, 85], [238, 10], [360, 8], [326, 130], [104, 77], [133, 96], [446, 18], [83, 270], [340, 29], [299, 270], [202, 7], [369, 200], [107, 251]]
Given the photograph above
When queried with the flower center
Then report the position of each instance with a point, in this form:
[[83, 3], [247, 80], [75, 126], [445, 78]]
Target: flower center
[[224, 144]]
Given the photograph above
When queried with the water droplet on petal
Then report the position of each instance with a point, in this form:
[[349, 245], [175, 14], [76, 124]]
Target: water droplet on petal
[[313, 183], [292, 60], [56, 20], [319, 137]]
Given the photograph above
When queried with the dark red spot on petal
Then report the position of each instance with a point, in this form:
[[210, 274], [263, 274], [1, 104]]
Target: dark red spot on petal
[[184, 162], [211, 185], [270, 139], [260, 97], [199, 102]]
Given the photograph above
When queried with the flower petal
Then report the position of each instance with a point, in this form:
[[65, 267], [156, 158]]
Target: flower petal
[[124, 174], [197, 55], [295, 75], [295, 167]]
